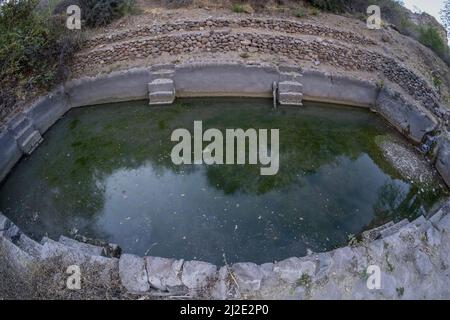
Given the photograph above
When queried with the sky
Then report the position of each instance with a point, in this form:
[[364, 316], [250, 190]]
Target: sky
[[429, 6], [432, 7]]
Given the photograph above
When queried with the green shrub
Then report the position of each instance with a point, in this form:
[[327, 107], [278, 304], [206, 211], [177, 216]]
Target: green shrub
[[314, 11], [34, 50], [300, 12], [237, 7], [177, 3], [98, 13], [430, 37]]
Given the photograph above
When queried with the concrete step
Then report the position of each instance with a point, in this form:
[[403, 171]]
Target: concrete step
[[161, 84], [290, 76], [161, 97], [288, 68], [84, 247], [290, 86], [24, 134], [19, 124], [30, 143], [30, 246], [162, 73], [393, 229], [290, 98]]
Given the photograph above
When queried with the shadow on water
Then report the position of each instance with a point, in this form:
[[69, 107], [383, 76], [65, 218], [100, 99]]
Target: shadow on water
[[106, 172]]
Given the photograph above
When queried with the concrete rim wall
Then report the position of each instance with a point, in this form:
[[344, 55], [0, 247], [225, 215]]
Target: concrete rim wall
[[193, 80], [219, 79]]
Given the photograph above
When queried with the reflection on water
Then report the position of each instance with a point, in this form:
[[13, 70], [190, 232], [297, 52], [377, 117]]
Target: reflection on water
[[106, 172]]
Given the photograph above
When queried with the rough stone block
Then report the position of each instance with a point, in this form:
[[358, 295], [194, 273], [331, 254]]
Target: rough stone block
[[374, 233], [12, 233], [393, 229], [66, 255], [84, 247], [5, 223], [106, 269], [14, 257], [248, 275], [443, 160], [133, 274], [221, 289], [30, 246], [164, 274], [292, 269], [198, 274]]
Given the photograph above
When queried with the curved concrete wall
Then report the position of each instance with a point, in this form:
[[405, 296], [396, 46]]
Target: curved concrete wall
[[115, 87], [324, 87], [225, 80], [193, 80]]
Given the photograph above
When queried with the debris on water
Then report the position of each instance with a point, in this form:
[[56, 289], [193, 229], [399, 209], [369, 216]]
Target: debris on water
[[35, 216], [235, 227]]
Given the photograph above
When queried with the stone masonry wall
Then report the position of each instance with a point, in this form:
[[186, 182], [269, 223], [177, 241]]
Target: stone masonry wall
[[412, 258], [318, 50]]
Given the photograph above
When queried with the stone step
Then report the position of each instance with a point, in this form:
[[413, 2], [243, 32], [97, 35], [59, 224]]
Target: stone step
[[161, 97], [161, 84], [30, 246], [83, 247], [52, 249], [9, 230], [374, 233], [290, 98], [393, 229], [16, 258], [290, 86], [30, 143], [5, 223]]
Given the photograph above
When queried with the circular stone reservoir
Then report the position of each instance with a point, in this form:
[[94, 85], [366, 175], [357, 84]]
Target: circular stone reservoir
[[105, 172]]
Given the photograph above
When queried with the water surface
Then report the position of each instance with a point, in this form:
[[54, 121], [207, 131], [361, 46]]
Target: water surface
[[105, 172]]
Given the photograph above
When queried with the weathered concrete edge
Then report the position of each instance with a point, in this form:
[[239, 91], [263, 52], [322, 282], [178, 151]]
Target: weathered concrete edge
[[196, 279], [223, 79]]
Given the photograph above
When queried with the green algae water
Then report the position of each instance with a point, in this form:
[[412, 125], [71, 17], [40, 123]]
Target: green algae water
[[105, 172]]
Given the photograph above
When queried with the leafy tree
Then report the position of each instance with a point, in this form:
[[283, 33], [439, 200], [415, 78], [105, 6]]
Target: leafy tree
[[445, 16]]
